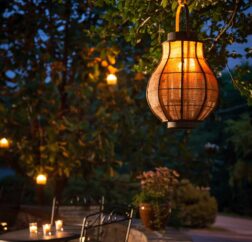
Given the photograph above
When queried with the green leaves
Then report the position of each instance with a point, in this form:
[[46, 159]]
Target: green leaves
[[240, 135], [84, 124], [243, 81], [164, 3]]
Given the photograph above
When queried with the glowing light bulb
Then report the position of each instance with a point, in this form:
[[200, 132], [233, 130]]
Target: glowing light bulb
[[111, 79], [189, 65], [4, 143], [41, 179]]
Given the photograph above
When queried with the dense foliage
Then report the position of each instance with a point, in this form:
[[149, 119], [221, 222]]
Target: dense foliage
[[193, 207], [64, 120]]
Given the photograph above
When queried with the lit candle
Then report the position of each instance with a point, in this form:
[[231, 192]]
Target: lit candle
[[33, 228], [58, 225], [46, 229]]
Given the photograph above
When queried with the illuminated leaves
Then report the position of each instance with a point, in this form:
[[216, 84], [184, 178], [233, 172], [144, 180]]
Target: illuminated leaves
[[60, 65]]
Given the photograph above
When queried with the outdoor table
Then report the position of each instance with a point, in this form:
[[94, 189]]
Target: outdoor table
[[25, 236]]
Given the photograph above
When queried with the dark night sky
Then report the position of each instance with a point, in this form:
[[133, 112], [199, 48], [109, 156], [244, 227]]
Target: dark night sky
[[239, 48]]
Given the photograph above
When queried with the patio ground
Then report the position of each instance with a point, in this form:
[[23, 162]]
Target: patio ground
[[225, 229]]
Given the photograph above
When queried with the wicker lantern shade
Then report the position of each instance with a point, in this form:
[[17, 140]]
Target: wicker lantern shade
[[183, 90]]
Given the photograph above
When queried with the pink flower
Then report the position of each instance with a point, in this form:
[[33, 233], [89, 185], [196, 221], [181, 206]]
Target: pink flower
[[158, 183]]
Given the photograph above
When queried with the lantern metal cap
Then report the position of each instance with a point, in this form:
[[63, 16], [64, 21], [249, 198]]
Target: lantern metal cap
[[182, 124], [182, 35]]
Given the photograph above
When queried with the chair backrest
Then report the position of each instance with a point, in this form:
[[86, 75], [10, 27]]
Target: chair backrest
[[111, 225], [79, 200]]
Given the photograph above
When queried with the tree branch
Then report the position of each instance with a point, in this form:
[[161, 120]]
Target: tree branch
[[143, 23], [62, 86], [228, 25]]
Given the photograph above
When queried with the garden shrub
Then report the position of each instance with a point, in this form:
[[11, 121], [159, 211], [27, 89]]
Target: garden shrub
[[192, 207], [116, 190]]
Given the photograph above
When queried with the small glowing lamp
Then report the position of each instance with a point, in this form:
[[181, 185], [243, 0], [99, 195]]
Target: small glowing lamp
[[111, 79], [59, 225], [41, 179], [4, 226], [33, 228], [4, 143], [46, 229]]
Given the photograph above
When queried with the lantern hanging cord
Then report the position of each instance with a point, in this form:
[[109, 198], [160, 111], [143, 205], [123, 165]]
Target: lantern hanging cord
[[228, 24], [182, 4]]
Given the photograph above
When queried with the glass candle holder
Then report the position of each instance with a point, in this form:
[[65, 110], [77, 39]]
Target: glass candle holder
[[46, 229], [59, 225], [33, 228]]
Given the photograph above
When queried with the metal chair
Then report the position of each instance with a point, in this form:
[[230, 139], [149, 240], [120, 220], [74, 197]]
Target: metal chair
[[111, 225]]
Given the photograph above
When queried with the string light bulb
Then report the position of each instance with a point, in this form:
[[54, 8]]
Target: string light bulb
[[111, 79], [4, 143], [41, 179]]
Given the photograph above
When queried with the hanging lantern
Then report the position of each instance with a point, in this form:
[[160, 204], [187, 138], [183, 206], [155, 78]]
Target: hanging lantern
[[111, 79], [183, 90], [4, 143], [41, 179]]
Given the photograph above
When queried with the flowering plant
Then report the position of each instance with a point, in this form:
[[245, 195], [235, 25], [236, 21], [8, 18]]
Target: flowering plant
[[157, 185], [156, 194]]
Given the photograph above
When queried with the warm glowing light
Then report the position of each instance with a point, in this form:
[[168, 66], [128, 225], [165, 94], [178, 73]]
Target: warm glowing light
[[188, 65], [41, 179], [4, 226], [4, 143], [111, 79], [58, 225], [183, 90], [46, 229], [33, 228]]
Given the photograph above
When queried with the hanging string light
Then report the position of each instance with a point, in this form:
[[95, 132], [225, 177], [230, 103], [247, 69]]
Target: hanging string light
[[183, 90], [41, 179], [4, 143], [111, 79]]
